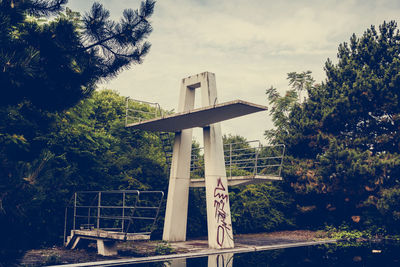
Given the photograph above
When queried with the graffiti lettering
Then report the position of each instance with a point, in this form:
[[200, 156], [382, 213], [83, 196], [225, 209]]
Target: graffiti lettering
[[220, 187], [220, 199], [220, 235]]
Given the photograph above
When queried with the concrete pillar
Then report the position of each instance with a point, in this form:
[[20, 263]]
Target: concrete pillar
[[219, 223], [106, 248], [178, 188]]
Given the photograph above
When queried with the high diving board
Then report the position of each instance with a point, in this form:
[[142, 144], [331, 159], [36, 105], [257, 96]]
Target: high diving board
[[239, 180], [200, 117]]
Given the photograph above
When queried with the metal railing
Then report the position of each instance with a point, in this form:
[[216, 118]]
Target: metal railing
[[123, 211], [243, 159], [138, 110]]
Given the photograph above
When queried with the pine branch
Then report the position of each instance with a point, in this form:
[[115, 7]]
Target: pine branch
[[45, 8], [117, 45], [100, 16]]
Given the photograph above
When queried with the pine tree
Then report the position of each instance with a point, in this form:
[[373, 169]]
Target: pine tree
[[55, 63]]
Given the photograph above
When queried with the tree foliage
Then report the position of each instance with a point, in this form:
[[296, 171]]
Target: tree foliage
[[342, 141], [87, 148]]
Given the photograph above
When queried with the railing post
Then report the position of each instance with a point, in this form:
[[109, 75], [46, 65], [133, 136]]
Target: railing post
[[158, 210], [98, 210], [283, 154], [88, 217], [123, 211], [74, 223], [126, 111], [230, 160], [257, 152], [133, 212]]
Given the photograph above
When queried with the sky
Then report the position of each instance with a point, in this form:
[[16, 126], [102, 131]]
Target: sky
[[250, 45]]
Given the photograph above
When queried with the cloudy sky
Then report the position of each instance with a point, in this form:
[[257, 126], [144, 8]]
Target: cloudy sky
[[249, 45]]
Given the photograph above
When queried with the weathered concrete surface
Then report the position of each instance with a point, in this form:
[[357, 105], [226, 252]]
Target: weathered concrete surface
[[239, 180], [107, 248], [135, 251], [175, 221], [219, 223], [199, 248], [96, 234], [106, 240]]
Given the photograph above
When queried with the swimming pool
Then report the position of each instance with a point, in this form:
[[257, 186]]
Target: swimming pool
[[367, 253]]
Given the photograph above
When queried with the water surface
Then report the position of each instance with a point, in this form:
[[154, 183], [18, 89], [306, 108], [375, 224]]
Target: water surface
[[364, 254]]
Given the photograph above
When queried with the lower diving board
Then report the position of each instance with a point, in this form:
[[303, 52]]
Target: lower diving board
[[239, 180]]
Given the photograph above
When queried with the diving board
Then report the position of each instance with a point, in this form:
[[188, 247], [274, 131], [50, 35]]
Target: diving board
[[200, 117], [238, 180]]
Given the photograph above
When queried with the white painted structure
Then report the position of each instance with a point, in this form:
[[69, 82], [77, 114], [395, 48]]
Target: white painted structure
[[218, 210], [220, 234]]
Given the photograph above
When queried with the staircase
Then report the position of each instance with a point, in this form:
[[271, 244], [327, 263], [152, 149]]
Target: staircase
[[167, 147]]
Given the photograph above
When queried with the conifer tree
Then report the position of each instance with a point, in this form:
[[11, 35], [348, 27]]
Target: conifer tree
[[343, 141], [55, 63]]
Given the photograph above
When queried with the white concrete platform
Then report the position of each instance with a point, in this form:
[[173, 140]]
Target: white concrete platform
[[200, 117], [96, 234], [238, 180]]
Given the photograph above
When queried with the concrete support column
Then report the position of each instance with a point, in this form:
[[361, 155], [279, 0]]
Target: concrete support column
[[106, 248], [219, 223], [178, 188]]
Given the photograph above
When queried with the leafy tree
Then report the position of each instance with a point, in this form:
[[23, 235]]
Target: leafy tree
[[343, 153], [282, 107], [56, 63], [260, 208], [88, 149]]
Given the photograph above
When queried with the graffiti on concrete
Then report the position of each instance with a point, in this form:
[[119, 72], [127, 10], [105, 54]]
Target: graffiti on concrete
[[221, 198]]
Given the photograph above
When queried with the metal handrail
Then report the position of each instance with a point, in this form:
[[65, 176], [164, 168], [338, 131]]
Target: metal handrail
[[151, 105], [248, 156], [98, 214]]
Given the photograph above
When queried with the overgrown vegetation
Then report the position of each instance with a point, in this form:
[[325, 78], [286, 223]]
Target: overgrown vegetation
[[343, 139], [163, 248]]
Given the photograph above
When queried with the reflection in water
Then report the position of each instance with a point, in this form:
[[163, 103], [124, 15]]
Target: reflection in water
[[365, 254], [176, 263], [218, 260]]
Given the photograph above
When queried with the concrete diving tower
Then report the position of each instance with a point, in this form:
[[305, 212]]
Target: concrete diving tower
[[208, 117]]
